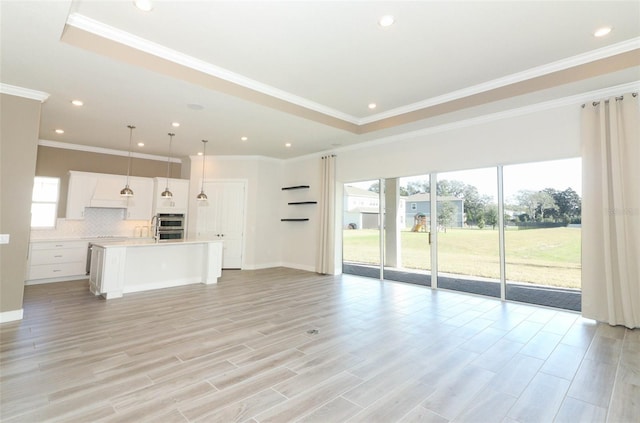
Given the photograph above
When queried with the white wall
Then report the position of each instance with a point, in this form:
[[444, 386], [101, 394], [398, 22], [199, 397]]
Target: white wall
[[299, 239], [546, 135]]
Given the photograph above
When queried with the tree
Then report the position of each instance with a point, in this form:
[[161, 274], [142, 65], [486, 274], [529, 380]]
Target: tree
[[418, 187], [446, 212], [375, 187], [446, 188], [534, 204], [569, 205], [491, 215], [544, 203]]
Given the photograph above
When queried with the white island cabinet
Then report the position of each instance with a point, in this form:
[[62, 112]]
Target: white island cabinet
[[123, 267]]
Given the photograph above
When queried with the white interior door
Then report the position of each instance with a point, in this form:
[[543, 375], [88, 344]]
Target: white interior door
[[222, 218]]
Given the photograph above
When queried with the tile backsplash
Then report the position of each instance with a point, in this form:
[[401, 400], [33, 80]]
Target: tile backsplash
[[98, 222]]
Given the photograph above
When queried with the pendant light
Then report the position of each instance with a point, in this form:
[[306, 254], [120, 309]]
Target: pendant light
[[202, 196], [126, 191], [166, 193]]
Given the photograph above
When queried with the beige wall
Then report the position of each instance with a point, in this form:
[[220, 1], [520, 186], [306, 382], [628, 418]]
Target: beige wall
[[20, 121], [57, 162]]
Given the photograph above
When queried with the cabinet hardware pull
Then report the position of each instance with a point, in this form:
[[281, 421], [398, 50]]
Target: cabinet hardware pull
[[58, 256], [56, 270]]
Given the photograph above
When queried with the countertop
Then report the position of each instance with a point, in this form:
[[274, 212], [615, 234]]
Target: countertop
[[91, 239], [147, 242]]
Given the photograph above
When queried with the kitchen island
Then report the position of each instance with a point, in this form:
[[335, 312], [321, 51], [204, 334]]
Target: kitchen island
[[118, 268]]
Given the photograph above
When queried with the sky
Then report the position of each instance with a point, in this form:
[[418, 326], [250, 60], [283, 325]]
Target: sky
[[557, 174]]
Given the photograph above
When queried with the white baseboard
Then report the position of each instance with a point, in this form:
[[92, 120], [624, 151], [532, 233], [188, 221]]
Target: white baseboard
[[299, 266], [54, 280], [280, 264], [161, 285], [262, 266], [11, 316]]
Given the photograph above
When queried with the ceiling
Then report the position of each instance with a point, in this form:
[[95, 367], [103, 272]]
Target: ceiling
[[302, 72]]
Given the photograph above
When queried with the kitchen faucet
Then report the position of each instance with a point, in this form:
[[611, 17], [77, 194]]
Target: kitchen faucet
[[155, 228]]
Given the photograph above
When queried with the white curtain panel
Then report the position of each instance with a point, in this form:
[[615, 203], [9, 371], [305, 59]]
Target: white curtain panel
[[325, 262], [611, 210]]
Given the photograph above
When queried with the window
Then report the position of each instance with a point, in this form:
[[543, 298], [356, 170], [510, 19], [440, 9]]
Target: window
[[44, 202]]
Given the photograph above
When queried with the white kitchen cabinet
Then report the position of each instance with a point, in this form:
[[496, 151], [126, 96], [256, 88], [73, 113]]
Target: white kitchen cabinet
[[139, 207], [222, 218], [180, 200], [79, 194], [52, 261]]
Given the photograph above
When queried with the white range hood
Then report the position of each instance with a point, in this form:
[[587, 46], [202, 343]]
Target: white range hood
[[107, 193]]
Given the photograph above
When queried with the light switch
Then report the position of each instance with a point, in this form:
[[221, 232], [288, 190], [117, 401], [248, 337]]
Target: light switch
[[4, 238]]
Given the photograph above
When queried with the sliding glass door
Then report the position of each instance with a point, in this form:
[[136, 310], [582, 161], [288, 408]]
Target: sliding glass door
[[468, 235], [407, 246], [405, 228], [543, 232], [361, 224]]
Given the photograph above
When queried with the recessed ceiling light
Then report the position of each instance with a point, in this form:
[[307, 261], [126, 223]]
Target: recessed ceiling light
[[601, 32], [244, 138], [386, 20], [140, 144], [77, 102], [372, 106], [200, 153], [288, 145], [175, 124], [59, 131], [144, 5]]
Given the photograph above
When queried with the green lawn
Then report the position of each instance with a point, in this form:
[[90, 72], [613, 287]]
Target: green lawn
[[542, 256]]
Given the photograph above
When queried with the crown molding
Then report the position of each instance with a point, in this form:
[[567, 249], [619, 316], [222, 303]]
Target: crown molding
[[122, 37], [23, 92], [577, 60], [101, 150]]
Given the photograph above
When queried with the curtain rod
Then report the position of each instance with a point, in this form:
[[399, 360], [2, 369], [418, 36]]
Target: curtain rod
[[595, 103], [330, 155]]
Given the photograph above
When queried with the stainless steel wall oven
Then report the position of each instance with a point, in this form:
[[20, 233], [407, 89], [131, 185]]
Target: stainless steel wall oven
[[169, 227]]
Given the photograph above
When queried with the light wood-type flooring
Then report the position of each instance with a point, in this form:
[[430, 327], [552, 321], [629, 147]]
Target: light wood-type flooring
[[282, 345]]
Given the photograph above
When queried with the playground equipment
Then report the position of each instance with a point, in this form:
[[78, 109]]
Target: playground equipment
[[419, 223]]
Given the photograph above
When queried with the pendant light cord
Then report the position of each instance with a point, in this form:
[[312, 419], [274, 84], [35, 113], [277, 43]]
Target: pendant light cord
[[131, 128], [169, 158], [204, 155]]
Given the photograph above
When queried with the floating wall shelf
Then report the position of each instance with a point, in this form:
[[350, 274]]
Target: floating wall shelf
[[297, 203], [295, 187]]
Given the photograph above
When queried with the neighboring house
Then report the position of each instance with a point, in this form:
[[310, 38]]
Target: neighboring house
[[361, 208], [421, 203]]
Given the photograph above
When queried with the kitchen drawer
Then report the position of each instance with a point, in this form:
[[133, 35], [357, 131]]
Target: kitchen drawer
[[58, 244], [60, 255], [45, 271]]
